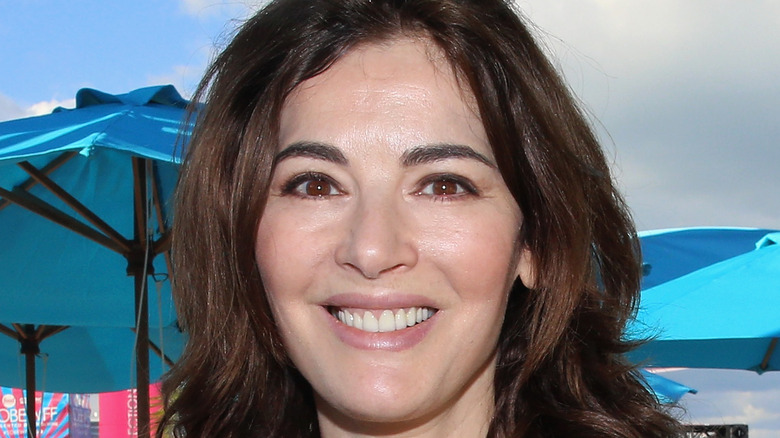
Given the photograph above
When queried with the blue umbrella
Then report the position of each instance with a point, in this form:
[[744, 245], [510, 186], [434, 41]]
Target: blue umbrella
[[666, 390], [84, 215], [65, 362], [710, 299]]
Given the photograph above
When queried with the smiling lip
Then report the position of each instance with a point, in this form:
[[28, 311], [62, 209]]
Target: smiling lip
[[386, 320], [390, 323]]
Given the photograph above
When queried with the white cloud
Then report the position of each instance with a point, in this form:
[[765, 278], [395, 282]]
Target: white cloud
[[732, 397], [48, 106], [687, 91], [10, 110], [756, 409]]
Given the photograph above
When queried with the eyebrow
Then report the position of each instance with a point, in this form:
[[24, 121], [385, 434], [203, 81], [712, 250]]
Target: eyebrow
[[442, 151], [415, 156], [312, 149]]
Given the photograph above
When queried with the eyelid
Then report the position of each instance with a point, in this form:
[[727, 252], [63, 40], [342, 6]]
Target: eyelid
[[470, 189], [291, 184]]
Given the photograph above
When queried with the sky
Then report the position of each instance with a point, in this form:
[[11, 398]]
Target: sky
[[684, 95]]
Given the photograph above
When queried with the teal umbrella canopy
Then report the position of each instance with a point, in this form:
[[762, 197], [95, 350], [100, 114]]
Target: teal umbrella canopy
[[64, 269], [666, 390], [76, 360], [84, 223], [710, 299]]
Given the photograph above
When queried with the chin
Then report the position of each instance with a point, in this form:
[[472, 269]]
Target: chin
[[386, 415]]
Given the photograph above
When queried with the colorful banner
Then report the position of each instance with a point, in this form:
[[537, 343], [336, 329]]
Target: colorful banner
[[119, 412], [80, 412], [57, 415]]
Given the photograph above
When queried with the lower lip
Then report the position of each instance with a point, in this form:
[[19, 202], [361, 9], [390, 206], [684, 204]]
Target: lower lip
[[397, 340]]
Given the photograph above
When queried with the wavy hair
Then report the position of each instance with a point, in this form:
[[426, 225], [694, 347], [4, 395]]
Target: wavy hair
[[560, 371]]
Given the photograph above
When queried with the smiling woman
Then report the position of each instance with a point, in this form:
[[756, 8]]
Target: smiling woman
[[393, 221], [391, 204]]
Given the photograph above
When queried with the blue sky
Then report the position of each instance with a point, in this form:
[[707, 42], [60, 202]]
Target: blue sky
[[685, 95], [52, 48]]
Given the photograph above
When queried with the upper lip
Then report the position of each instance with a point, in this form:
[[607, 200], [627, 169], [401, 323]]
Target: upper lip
[[391, 300]]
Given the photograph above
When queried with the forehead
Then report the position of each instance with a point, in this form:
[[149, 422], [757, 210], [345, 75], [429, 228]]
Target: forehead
[[406, 83], [400, 59]]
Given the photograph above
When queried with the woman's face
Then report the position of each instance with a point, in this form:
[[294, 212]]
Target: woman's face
[[389, 242]]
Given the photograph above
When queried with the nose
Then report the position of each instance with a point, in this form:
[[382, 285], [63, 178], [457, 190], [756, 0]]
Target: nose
[[378, 239]]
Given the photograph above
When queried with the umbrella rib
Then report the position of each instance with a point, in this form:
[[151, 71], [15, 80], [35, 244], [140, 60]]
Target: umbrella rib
[[769, 351], [9, 332], [21, 333], [46, 331], [162, 244], [74, 203], [30, 333], [47, 169], [158, 351], [42, 208]]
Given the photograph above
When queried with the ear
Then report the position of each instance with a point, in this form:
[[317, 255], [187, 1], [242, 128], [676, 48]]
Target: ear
[[526, 268]]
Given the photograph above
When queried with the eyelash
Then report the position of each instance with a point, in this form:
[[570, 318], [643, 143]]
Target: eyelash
[[464, 186], [292, 186]]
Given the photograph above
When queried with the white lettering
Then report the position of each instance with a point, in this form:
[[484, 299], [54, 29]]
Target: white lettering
[[48, 413], [132, 413], [13, 415]]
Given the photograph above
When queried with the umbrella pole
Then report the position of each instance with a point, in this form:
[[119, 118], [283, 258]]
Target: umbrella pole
[[139, 267], [30, 349], [142, 357]]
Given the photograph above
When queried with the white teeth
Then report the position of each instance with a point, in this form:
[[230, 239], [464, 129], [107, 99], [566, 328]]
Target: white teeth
[[345, 317], [370, 323], [400, 319], [411, 318], [388, 320]]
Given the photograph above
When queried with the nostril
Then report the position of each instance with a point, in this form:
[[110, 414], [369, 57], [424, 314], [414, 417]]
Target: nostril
[[372, 274], [377, 239]]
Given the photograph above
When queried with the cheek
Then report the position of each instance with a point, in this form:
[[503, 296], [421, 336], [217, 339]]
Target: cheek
[[478, 253], [284, 240], [280, 273], [276, 259], [290, 251]]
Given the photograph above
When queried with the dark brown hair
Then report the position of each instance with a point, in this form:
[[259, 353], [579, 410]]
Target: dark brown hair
[[560, 370]]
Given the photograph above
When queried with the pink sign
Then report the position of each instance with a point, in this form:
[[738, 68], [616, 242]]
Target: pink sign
[[119, 412]]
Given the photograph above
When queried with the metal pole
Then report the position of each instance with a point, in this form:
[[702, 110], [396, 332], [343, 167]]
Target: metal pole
[[139, 267], [30, 350], [142, 357]]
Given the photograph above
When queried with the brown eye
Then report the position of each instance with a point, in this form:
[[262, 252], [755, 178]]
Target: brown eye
[[445, 188], [311, 185], [317, 188]]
